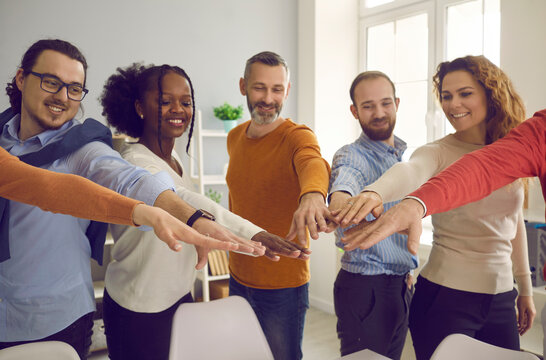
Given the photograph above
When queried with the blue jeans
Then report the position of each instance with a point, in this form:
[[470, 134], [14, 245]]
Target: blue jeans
[[281, 313]]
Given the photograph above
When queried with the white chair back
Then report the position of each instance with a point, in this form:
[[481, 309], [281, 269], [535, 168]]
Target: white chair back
[[42, 350], [459, 346], [222, 329]]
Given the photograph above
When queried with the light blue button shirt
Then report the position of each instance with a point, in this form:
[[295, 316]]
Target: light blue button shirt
[[355, 166], [46, 284]]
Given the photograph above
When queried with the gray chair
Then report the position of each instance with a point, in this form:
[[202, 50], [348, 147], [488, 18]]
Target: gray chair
[[222, 329], [42, 350], [459, 346]]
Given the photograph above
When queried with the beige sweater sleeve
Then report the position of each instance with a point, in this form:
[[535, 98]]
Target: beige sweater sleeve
[[404, 177], [520, 260]]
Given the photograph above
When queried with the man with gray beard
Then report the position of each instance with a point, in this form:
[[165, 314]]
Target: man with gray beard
[[278, 180]]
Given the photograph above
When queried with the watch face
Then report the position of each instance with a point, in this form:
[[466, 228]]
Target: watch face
[[207, 215]]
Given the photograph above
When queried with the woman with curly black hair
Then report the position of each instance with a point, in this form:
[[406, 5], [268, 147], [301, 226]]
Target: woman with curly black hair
[[145, 283]]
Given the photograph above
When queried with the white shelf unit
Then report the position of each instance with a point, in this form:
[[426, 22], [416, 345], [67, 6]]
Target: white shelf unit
[[201, 180]]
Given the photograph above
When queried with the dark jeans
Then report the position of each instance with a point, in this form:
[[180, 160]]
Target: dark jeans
[[78, 335], [438, 311], [281, 313], [372, 312], [132, 335]]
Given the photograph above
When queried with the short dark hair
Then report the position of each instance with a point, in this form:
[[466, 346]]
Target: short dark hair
[[267, 58], [368, 75], [29, 60], [129, 84]]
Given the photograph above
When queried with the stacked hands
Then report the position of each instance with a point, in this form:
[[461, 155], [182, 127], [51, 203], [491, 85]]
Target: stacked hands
[[404, 217], [206, 235], [312, 214]]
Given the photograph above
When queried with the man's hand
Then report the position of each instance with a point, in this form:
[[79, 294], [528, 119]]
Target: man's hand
[[275, 245], [526, 313], [313, 214], [356, 208], [403, 217]]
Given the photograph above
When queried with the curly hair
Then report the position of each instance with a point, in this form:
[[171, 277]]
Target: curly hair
[[505, 109], [129, 84], [29, 60]]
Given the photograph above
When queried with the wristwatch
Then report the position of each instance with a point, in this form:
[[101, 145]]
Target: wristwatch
[[199, 214]]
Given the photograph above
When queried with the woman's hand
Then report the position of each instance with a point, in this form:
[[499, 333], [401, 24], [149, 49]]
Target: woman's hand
[[171, 230], [358, 207], [526, 313]]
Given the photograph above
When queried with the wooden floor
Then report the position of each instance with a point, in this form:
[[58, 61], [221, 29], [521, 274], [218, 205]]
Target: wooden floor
[[320, 340]]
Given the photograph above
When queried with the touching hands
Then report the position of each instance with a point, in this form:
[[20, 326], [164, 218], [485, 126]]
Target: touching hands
[[217, 231], [171, 230], [354, 209], [275, 245], [526, 313], [313, 214], [404, 217]]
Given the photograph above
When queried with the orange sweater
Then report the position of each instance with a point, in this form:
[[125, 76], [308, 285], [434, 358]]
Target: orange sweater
[[62, 193], [266, 178]]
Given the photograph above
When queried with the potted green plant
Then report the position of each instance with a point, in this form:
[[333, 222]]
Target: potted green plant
[[229, 115]]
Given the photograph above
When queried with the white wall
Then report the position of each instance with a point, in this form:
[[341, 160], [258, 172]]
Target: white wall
[[210, 39], [523, 50], [328, 63]]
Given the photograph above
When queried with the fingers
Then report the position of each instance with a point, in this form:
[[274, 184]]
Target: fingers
[[312, 226], [358, 207], [293, 231], [271, 255], [202, 257]]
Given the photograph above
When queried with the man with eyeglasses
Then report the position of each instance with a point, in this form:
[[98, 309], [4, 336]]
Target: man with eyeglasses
[[46, 291]]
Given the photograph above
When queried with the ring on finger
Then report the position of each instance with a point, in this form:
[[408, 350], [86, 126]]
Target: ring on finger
[[350, 202]]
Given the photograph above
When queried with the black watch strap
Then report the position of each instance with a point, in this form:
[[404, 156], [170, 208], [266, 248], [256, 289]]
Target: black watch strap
[[199, 214]]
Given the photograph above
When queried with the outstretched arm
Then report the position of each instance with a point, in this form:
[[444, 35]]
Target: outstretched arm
[[521, 153], [62, 193], [313, 175]]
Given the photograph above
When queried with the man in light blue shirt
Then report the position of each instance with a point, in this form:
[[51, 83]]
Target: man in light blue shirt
[[372, 290], [46, 291]]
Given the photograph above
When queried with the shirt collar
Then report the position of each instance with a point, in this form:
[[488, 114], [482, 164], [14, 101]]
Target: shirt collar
[[12, 128], [379, 146]]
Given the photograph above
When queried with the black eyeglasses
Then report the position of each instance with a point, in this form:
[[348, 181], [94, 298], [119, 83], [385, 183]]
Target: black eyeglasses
[[53, 85]]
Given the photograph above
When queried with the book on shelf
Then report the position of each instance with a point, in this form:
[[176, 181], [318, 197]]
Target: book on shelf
[[218, 262]]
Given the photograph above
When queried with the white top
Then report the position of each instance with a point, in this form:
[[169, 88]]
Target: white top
[[474, 245], [145, 275]]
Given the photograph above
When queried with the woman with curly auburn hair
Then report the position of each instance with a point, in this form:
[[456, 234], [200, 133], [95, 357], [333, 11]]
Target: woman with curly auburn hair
[[145, 283], [479, 248], [505, 109]]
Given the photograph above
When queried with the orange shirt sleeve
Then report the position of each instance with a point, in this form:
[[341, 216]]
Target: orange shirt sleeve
[[62, 193], [313, 171]]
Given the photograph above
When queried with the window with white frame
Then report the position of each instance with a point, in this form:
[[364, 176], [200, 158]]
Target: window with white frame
[[407, 39]]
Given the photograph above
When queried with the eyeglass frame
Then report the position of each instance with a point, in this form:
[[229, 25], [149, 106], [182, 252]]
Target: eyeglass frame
[[41, 76]]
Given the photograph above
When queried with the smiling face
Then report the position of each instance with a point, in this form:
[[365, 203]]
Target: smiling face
[[464, 103], [375, 109], [176, 108], [265, 89], [40, 110]]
